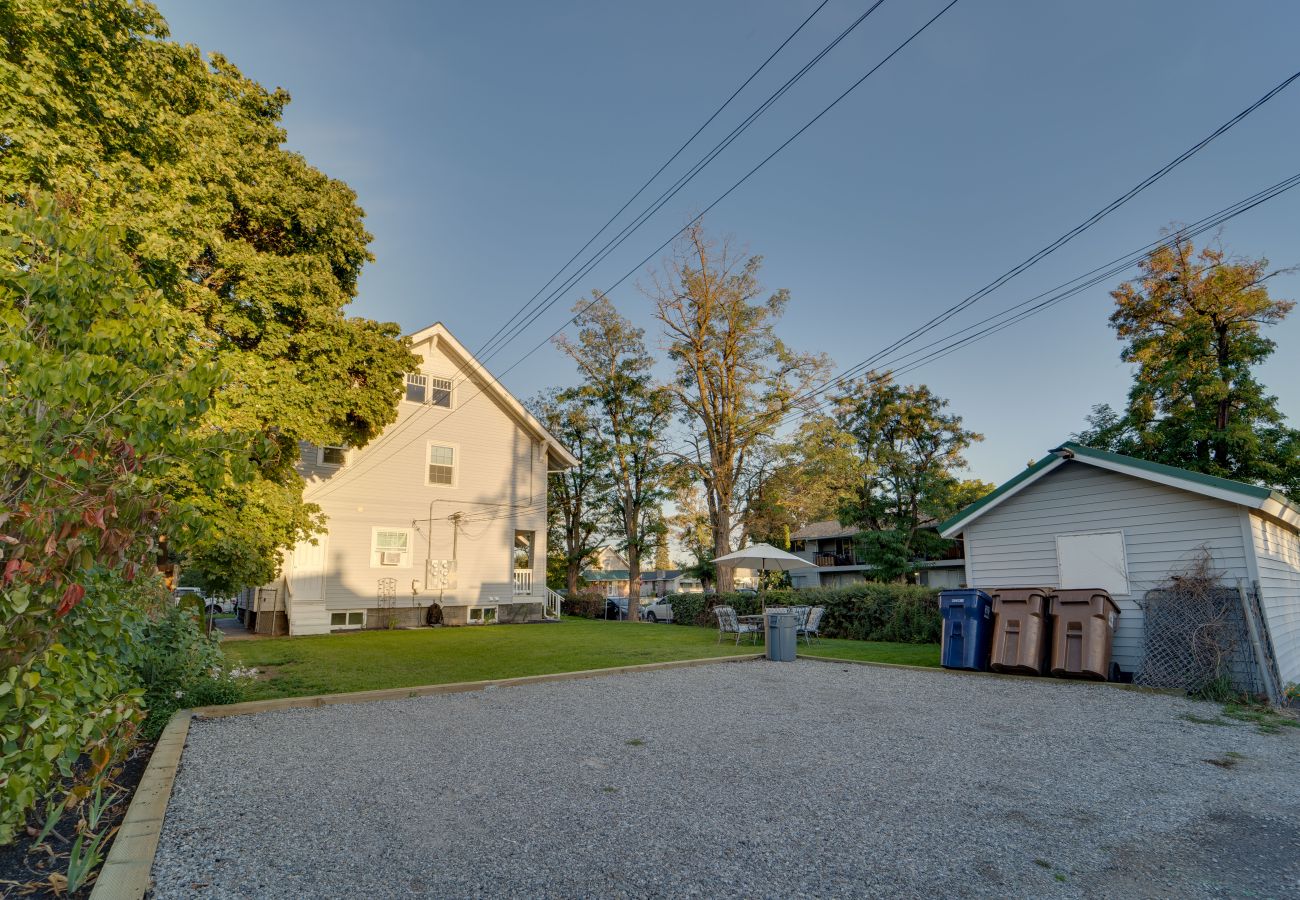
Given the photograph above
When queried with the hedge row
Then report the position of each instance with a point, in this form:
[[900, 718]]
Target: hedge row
[[864, 612]]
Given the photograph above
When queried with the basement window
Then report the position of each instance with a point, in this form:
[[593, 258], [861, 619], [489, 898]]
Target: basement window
[[351, 619], [482, 615]]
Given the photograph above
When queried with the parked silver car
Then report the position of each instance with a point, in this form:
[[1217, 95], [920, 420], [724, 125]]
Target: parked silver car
[[656, 609]]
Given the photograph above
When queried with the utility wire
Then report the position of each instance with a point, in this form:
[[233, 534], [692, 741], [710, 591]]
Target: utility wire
[[639, 191], [1016, 313], [459, 375], [917, 33], [659, 202]]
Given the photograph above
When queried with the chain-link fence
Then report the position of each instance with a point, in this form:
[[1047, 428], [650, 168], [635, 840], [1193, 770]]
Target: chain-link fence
[[1194, 632]]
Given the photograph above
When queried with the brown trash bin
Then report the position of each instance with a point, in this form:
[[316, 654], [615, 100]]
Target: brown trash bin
[[1020, 630], [1083, 633]]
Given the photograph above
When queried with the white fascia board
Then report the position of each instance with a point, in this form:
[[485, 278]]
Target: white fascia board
[[958, 526]]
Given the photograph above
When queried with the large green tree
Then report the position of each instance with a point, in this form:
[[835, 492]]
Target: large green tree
[[910, 450], [577, 506], [256, 249], [632, 412], [1193, 326]]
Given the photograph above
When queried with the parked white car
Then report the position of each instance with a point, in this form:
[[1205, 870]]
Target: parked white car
[[656, 609]]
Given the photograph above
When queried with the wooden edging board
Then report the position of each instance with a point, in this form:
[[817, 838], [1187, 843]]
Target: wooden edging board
[[126, 874], [1049, 679]]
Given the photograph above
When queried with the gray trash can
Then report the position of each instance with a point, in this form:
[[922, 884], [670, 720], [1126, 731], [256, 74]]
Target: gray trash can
[[780, 636]]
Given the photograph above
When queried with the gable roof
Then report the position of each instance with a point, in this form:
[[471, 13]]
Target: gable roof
[[1270, 502], [488, 383]]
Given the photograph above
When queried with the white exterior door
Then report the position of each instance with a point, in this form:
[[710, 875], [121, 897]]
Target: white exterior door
[[309, 570]]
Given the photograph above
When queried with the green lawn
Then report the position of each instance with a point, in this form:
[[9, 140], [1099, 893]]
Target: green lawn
[[368, 660]]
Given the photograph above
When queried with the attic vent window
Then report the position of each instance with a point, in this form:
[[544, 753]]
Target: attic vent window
[[428, 389]]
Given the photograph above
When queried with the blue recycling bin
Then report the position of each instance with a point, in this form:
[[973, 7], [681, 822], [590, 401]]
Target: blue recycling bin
[[967, 629]]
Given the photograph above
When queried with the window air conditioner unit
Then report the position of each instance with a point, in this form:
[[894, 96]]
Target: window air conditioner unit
[[390, 558]]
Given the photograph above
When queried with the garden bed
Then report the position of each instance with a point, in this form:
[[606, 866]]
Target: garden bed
[[38, 868]]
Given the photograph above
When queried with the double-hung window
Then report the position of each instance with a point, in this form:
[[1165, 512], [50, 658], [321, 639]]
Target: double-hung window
[[441, 465]]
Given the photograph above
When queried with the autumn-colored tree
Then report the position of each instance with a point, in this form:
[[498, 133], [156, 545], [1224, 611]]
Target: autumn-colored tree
[[578, 498], [735, 379], [1193, 327], [257, 250], [632, 413]]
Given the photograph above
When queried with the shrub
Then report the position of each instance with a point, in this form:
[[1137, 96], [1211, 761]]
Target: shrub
[[181, 666], [586, 604], [864, 612], [76, 699]]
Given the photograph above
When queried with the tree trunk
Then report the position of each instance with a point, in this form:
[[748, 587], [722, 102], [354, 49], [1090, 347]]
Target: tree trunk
[[722, 545], [633, 583], [571, 577]]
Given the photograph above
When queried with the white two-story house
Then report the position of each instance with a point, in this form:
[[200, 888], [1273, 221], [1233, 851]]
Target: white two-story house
[[441, 519]]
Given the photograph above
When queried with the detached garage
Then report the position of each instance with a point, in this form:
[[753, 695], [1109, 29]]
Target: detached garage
[[1085, 518]]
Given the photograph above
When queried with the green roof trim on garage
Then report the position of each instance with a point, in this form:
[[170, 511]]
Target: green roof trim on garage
[[1032, 472], [1253, 496]]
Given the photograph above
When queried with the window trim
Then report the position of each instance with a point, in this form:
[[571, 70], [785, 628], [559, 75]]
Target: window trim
[[320, 456], [406, 563], [455, 464]]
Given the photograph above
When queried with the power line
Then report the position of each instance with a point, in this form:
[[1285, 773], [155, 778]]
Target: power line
[[639, 191], [917, 33], [663, 198], [1054, 296], [738, 183], [659, 202]]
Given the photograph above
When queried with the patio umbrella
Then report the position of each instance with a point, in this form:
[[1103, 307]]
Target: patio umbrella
[[766, 558]]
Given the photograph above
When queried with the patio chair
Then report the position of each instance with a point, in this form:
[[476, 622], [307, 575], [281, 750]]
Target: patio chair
[[812, 625], [729, 624], [800, 617]]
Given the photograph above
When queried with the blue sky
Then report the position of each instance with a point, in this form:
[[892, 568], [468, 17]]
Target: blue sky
[[488, 141]]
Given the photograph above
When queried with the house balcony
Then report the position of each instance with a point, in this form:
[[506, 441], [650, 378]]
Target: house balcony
[[827, 560]]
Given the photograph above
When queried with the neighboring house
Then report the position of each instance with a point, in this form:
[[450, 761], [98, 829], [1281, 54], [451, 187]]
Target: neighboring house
[[831, 546], [607, 559], [1085, 518], [662, 582], [654, 583], [610, 583], [444, 512]]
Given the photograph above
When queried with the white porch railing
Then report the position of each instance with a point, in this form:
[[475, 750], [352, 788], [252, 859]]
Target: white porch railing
[[551, 604], [523, 581]]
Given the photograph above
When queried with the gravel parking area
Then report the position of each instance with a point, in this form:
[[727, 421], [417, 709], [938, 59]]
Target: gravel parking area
[[744, 779]]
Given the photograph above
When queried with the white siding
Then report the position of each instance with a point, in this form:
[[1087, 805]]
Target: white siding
[[500, 487], [1014, 544], [1277, 555]]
